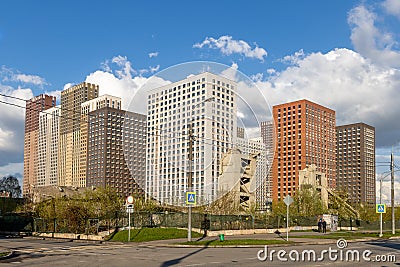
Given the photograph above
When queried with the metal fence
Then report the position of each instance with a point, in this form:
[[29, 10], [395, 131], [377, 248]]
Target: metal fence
[[169, 219], [16, 223]]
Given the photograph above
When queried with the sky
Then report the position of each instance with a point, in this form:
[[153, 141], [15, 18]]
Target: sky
[[343, 54]]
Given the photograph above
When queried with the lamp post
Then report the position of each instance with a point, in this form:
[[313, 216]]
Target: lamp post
[[392, 192], [191, 139]]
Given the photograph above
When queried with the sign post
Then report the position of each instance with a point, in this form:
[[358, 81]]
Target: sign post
[[380, 208], [288, 200], [129, 210]]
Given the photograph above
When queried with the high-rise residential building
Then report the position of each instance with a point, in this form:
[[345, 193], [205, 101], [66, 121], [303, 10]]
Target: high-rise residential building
[[87, 107], [70, 139], [255, 146], [48, 140], [33, 107], [267, 135], [356, 162], [240, 132], [304, 135], [206, 105], [116, 151]]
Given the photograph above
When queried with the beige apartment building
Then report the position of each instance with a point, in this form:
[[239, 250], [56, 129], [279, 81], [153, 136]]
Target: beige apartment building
[[33, 107], [49, 125], [69, 155]]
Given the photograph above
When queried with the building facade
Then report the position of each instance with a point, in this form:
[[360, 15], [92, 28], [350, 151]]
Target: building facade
[[33, 108], [267, 135], [48, 140], [87, 107], [304, 135], [255, 146], [116, 151], [70, 140], [356, 162], [204, 103]]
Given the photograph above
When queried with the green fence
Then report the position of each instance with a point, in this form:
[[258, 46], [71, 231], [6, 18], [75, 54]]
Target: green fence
[[16, 223], [180, 220]]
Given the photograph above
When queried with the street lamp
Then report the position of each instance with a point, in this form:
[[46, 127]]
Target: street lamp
[[191, 139]]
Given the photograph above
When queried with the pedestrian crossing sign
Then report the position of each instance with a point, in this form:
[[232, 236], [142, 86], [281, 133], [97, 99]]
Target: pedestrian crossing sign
[[380, 208], [191, 198]]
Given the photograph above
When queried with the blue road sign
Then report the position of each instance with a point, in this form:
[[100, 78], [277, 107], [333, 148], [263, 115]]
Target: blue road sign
[[191, 198], [380, 208]]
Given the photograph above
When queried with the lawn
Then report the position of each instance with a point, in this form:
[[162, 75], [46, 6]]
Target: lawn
[[3, 254], [236, 242], [150, 234]]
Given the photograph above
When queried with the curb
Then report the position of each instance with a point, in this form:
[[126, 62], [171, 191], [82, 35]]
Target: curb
[[325, 242]]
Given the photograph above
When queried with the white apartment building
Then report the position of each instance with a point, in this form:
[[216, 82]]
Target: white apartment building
[[48, 142], [263, 190], [208, 103]]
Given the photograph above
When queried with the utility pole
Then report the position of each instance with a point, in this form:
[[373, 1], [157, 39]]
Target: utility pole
[[190, 179], [191, 139], [392, 193], [380, 202]]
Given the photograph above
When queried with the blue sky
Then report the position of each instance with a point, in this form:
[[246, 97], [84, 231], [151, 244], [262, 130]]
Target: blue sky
[[63, 41], [344, 54]]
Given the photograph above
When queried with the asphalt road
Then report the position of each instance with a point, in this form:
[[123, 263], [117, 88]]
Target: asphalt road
[[31, 252]]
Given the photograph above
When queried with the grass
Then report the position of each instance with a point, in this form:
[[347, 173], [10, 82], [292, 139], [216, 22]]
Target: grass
[[237, 242], [151, 234], [3, 254]]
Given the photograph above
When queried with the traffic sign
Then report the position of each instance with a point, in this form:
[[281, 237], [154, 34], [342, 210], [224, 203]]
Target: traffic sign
[[191, 198], [129, 208], [288, 200], [129, 200], [380, 208]]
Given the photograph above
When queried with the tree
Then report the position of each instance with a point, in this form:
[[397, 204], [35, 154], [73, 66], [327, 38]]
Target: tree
[[307, 202], [10, 184]]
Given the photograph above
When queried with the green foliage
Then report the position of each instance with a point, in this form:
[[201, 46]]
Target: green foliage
[[99, 203], [141, 204], [367, 212], [77, 215], [307, 202], [10, 184], [150, 234]]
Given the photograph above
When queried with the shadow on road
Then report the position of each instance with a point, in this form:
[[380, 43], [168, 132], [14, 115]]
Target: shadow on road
[[385, 244], [178, 260]]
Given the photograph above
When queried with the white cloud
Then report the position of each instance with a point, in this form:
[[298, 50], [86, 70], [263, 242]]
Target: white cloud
[[68, 85], [294, 59], [153, 54], [15, 169], [392, 7], [123, 80], [9, 74], [12, 124], [347, 82], [124, 87], [386, 191], [25, 78], [228, 46], [231, 73], [370, 41]]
